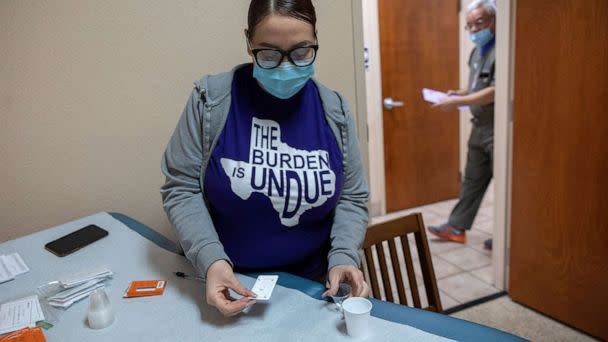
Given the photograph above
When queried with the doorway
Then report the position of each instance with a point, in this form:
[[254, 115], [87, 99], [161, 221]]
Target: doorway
[[420, 144], [492, 218]]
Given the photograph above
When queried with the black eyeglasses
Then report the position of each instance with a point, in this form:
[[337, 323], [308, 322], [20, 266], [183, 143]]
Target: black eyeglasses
[[267, 58]]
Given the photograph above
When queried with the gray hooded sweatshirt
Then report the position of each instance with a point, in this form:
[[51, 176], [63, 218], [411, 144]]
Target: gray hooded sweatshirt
[[188, 152]]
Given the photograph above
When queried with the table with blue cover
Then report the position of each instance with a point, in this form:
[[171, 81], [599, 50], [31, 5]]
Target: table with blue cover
[[438, 324]]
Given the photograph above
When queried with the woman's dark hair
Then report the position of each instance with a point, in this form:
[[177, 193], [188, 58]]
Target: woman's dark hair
[[298, 9]]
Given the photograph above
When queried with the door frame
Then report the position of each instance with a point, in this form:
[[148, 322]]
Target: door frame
[[502, 123], [375, 124], [503, 140]]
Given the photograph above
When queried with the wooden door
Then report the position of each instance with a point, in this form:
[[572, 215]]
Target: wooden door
[[559, 229], [419, 49]]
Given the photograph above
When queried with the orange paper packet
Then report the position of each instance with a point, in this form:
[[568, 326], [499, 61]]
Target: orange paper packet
[[144, 288], [24, 335]]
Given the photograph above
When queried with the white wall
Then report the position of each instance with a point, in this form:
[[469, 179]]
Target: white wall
[[90, 92], [466, 46]]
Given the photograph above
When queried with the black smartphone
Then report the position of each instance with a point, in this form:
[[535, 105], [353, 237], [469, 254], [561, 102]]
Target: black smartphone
[[76, 240]]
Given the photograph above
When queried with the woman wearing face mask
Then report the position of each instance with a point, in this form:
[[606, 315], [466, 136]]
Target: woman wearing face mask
[[263, 172]]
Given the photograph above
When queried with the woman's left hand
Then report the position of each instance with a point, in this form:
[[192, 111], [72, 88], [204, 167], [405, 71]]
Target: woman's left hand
[[349, 274]]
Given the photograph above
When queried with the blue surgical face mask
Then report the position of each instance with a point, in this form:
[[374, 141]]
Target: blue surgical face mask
[[481, 38], [284, 81]]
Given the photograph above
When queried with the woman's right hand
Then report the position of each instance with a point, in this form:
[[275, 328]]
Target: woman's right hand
[[220, 279]]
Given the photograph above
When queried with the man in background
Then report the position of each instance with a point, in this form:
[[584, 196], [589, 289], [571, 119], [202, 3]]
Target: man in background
[[481, 25]]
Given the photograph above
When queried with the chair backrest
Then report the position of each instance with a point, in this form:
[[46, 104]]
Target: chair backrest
[[393, 233]]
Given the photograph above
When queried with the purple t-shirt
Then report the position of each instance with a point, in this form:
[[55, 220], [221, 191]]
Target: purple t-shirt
[[274, 179]]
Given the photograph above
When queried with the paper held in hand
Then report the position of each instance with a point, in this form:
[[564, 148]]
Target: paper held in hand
[[264, 285], [435, 96]]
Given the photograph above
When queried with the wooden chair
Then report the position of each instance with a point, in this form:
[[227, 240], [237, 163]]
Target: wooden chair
[[390, 231]]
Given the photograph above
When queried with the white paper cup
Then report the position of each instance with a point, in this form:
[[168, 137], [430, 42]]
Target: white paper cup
[[100, 313], [356, 314]]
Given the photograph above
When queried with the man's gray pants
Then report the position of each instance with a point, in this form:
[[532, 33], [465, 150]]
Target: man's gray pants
[[477, 176]]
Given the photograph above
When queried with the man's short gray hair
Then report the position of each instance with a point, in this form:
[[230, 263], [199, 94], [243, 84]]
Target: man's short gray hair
[[489, 5]]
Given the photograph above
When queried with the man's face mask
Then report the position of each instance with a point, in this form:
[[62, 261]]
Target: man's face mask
[[482, 37]]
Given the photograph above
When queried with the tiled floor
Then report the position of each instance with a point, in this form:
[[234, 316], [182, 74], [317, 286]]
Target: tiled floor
[[464, 271]]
